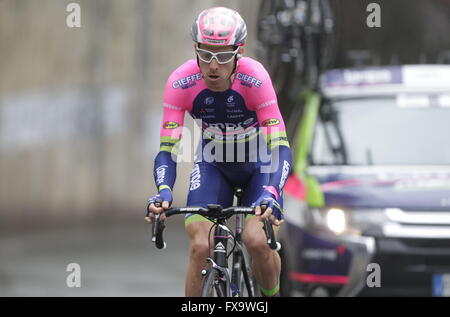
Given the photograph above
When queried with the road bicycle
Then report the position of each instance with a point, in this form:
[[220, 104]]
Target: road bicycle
[[217, 280], [297, 41]]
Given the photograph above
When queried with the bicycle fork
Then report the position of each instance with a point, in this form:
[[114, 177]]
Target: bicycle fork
[[219, 261]]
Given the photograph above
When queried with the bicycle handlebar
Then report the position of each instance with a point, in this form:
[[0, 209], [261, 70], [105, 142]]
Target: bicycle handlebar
[[214, 212]]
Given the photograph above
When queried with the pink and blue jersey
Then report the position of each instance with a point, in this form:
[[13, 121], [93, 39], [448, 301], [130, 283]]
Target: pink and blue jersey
[[240, 123]]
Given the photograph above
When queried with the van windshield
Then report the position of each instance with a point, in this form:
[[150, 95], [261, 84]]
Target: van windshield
[[397, 130]]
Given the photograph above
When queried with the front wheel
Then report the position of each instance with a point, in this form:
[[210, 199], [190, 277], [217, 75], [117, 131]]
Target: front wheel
[[214, 285], [248, 285], [285, 282]]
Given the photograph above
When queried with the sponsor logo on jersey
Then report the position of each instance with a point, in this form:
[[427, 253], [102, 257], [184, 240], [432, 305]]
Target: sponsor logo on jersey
[[187, 82], [230, 102], [229, 131], [229, 126], [195, 178], [166, 105], [209, 101], [284, 174], [160, 174], [248, 80], [270, 122], [248, 122], [234, 111], [268, 103], [234, 116], [171, 125]]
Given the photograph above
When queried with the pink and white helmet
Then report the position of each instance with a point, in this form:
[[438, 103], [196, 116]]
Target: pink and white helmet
[[219, 26]]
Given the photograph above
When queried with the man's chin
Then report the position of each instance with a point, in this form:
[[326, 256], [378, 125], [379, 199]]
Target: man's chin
[[216, 84]]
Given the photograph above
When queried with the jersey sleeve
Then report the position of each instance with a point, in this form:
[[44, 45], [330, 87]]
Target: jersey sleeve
[[263, 101], [174, 107]]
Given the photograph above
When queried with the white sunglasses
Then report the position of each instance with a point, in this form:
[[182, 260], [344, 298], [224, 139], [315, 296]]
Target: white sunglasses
[[221, 57]]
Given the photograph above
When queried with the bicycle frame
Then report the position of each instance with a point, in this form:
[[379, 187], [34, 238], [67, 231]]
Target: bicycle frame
[[220, 261]]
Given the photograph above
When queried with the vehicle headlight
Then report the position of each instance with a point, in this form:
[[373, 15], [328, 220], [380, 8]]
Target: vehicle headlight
[[336, 220], [342, 221]]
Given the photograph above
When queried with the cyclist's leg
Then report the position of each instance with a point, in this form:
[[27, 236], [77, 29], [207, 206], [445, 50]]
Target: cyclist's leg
[[266, 263], [198, 252], [207, 186]]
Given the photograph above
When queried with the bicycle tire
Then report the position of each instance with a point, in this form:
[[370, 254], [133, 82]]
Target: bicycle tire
[[213, 286], [248, 281], [242, 276]]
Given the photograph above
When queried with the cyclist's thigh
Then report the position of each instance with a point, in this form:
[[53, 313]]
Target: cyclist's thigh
[[207, 186], [198, 233], [254, 230], [255, 187]]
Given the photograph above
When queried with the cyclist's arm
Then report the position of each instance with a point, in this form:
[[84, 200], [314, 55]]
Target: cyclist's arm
[[272, 125], [278, 144], [173, 117]]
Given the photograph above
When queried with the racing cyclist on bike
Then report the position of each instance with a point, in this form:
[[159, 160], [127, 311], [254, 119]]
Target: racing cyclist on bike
[[234, 98]]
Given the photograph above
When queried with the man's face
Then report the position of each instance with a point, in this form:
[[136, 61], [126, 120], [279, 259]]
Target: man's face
[[215, 75]]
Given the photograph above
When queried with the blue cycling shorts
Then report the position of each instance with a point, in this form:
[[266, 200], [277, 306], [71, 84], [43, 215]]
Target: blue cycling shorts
[[214, 183]]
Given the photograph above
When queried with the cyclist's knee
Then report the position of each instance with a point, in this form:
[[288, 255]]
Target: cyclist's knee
[[256, 247], [198, 236], [255, 239], [199, 249]]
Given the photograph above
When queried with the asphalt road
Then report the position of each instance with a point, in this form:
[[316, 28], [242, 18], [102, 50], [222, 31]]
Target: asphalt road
[[115, 260]]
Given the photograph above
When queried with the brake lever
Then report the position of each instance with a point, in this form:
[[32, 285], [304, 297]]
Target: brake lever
[[157, 204], [158, 228], [268, 229]]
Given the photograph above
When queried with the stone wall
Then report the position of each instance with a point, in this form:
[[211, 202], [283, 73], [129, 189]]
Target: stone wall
[[80, 108]]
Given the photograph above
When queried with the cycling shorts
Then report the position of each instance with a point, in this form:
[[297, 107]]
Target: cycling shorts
[[214, 183]]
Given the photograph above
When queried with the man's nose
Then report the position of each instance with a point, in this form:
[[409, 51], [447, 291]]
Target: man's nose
[[214, 65]]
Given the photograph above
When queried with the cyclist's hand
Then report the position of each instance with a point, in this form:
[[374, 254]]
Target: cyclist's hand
[[164, 196], [273, 212]]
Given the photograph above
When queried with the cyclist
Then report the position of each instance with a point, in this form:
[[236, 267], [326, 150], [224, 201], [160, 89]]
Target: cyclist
[[234, 98]]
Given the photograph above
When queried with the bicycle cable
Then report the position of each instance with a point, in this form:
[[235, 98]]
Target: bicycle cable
[[215, 224], [234, 243]]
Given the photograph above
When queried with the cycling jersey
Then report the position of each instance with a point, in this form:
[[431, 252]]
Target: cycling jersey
[[239, 126]]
